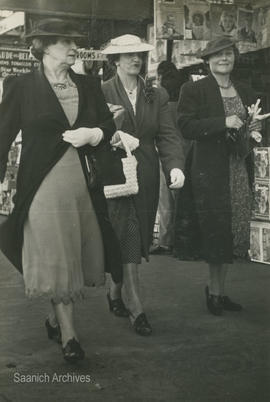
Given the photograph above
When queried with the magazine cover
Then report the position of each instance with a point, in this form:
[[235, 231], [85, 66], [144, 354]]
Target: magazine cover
[[197, 21], [261, 201], [256, 241], [262, 163], [169, 19], [266, 244], [223, 20]]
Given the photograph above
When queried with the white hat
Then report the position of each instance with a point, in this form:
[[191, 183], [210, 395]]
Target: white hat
[[127, 44]]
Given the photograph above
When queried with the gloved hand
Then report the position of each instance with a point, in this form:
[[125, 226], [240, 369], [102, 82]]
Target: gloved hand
[[177, 178], [83, 135], [131, 141]]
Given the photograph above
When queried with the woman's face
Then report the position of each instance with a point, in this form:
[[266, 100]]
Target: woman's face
[[130, 63], [227, 23], [64, 51], [222, 62]]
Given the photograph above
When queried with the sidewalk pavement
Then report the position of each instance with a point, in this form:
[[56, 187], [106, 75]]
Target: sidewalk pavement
[[192, 356]]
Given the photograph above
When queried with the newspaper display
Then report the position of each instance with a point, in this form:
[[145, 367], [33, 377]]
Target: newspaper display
[[158, 54], [184, 52], [8, 187], [260, 242]]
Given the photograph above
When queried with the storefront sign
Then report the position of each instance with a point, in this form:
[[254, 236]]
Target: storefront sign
[[16, 62], [88, 55], [13, 21]]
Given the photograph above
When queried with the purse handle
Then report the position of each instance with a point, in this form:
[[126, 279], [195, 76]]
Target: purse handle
[[125, 144]]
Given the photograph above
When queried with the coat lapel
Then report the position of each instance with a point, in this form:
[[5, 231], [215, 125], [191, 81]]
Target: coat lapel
[[140, 105], [123, 95]]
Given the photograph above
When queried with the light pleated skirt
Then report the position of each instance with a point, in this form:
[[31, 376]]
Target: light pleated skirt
[[63, 248]]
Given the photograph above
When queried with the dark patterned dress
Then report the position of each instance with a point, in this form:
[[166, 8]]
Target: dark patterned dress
[[241, 196]]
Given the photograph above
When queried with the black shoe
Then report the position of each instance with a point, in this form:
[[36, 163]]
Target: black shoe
[[229, 305], [214, 303], [142, 326], [117, 307], [161, 250], [54, 333], [72, 351]]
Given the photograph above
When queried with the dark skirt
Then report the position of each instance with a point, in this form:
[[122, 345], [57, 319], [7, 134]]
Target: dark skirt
[[125, 223]]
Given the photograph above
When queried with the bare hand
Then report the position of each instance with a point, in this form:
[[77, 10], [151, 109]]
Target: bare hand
[[233, 122], [82, 136], [177, 178]]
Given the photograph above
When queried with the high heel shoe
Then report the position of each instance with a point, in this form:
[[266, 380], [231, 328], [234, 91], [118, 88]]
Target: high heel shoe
[[214, 303], [141, 325], [72, 351], [54, 333], [229, 305], [117, 307]]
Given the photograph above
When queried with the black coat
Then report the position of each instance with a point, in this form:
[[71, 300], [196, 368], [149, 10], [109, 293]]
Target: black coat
[[202, 119], [30, 104]]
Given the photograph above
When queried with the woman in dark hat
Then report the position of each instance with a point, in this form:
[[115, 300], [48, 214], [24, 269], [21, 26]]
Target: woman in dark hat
[[58, 234], [146, 121], [212, 113]]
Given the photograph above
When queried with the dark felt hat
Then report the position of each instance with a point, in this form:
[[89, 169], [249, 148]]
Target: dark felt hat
[[214, 46], [55, 27]]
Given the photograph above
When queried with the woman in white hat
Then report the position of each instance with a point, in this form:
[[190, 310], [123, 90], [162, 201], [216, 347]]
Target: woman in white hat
[[146, 118]]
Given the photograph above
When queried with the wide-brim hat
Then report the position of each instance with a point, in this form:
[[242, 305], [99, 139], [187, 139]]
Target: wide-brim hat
[[215, 46], [55, 27], [127, 44]]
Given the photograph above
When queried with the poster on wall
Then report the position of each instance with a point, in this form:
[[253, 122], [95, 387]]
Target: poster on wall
[[197, 21], [223, 21], [158, 54], [262, 21], [184, 52], [169, 19]]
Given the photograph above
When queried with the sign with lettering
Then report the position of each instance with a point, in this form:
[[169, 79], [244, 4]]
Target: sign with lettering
[[16, 62], [91, 54]]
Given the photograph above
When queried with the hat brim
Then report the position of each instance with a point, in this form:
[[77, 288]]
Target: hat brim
[[204, 54], [39, 34], [114, 49]]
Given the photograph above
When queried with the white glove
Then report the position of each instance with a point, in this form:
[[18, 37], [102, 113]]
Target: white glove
[[131, 141], [83, 135], [177, 178]]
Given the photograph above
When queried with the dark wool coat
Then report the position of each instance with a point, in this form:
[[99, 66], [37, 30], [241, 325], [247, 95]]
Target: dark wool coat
[[30, 104], [158, 137], [207, 188]]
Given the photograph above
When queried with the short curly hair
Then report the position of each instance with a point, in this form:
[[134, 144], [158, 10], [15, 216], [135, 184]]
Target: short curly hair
[[39, 44]]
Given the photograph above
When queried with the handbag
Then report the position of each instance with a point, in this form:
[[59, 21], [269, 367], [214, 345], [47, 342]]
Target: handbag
[[129, 166]]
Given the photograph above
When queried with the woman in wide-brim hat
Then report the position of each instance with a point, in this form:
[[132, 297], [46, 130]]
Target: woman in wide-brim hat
[[145, 117], [212, 113], [58, 234]]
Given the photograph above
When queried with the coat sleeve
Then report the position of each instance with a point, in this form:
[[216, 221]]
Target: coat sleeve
[[10, 120], [168, 141], [190, 107]]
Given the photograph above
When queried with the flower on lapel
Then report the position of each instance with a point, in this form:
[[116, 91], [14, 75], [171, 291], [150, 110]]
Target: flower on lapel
[[148, 90]]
